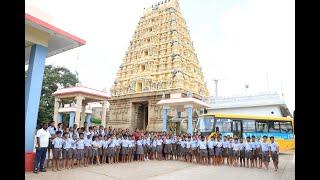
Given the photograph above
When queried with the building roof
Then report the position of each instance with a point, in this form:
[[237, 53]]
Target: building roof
[[59, 40], [82, 90], [183, 101], [262, 99]]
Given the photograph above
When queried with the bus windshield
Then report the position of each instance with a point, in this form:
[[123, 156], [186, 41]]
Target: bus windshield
[[205, 124]]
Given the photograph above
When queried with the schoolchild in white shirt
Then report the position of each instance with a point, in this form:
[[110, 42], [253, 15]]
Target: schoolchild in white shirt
[[225, 148], [194, 149], [57, 151], [211, 150], [124, 149], [118, 147], [100, 141], [236, 152], [153, 147], [105, 149], [140, 149], [254, 152], [230, 152], [248, 151], [95, 149], [203, 151], [87, 150], [80, 149], [67, 150], [218, 151], [74, 150], [188, 149], [259, 152], [159, 148], [242, 153], [274, 148], [111, 149], [131, 148], [265, 149]]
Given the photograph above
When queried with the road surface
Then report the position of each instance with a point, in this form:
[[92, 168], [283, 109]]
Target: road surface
[[175, 170]]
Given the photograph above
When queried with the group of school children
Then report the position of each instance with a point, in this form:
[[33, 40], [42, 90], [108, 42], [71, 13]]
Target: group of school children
[[88, 146]]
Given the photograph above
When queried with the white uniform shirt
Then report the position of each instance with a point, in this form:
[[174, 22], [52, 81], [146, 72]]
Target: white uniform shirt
[[241, 146], [51, 130], [225, 144], [105, 144], [247, 146], [236, 146], [188, 144], [265, 147], [113, 143], [95, 144], [139, 142], [254, 145], [159, 142], [125, 143], [194, 143], [210, 144], [57, 142], [219, 144], [80, 144], [273, 146], [203, 145], [43, 136], [87, 142], [168, 141], [154, 143], [67, 143], [131, 143]]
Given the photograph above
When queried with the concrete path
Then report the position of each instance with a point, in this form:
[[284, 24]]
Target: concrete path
[[175, 170]]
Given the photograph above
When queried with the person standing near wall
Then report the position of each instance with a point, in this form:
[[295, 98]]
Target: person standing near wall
[[42, 136]]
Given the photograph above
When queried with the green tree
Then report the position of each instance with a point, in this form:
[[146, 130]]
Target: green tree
[[52, 79]]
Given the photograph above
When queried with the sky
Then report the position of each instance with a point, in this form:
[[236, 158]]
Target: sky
[[238, 42]]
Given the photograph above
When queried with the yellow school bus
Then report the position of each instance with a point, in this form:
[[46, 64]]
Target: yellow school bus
[[238, 125]]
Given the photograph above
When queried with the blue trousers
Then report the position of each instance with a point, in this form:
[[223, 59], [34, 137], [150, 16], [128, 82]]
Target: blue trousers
[[40, 158]]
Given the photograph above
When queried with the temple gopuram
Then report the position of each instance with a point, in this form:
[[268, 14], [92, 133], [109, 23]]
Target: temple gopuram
[[160, 61]]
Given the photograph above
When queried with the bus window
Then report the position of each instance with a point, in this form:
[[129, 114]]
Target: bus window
[[262, 126], [248, 126], [205, 124], [224, 125], [274, 126], [285, 127]]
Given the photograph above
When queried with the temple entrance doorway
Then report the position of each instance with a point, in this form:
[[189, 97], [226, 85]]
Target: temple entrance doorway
[[141, 114]]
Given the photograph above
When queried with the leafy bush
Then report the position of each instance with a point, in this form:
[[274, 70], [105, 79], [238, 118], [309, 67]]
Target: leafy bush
[[96, 120]]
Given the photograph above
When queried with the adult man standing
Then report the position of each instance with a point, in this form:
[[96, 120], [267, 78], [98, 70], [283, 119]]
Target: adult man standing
[[136, 134], [42, 136]]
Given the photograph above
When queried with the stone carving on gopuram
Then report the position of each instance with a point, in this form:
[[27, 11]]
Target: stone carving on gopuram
[[160, 60]]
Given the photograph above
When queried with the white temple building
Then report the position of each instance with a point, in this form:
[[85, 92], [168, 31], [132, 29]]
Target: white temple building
[[263, 104]]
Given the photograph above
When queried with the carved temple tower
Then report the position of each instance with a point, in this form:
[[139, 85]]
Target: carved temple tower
[[160, 60]]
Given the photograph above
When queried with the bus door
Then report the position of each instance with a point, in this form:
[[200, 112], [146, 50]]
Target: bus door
[[237, 130]]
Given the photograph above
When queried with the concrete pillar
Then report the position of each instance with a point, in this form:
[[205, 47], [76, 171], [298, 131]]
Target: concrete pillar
[[189, 111], [71, 120], [104, 113], [59, 118], [165, 110], [83, 114], [56, 110], [88, 120], [79, 100], [32, 92]]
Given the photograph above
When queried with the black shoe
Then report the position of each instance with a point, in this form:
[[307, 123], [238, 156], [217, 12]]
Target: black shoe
[[35, 171], [43, 170]]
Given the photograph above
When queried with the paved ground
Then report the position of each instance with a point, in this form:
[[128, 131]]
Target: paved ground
[[175, 170]]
